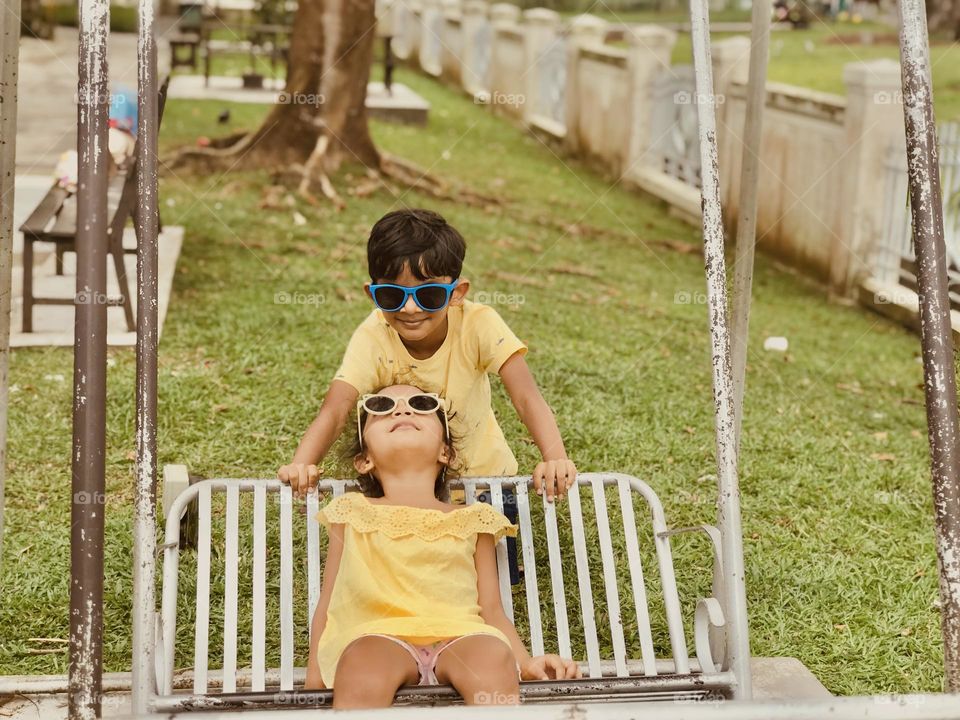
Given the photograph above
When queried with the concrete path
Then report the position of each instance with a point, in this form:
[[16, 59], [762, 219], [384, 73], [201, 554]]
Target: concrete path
[[47, 102], [46, 128]]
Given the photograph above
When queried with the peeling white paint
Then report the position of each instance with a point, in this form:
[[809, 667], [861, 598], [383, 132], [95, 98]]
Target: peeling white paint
[[940, 380], [734, 601]]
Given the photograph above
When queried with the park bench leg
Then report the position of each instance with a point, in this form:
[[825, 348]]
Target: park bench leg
[[27, 284], [117, 251], [206, 65], [59, 258]]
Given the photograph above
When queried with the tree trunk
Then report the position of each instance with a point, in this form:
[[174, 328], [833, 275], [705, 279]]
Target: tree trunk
[[315, 104], [321, 119], [345, 87]]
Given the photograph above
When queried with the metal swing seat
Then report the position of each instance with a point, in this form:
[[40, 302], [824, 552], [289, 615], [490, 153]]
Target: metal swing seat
[[614, 624], [614, 627]]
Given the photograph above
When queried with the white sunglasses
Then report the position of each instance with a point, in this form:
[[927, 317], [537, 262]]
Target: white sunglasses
[[421, 403]]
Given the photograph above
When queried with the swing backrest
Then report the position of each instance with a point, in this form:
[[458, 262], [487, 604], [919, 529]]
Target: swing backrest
[[252, 534]]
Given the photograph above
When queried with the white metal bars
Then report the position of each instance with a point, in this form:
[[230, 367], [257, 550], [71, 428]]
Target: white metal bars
[[148, 222], [233, 598], [735, 597], [611, 531]]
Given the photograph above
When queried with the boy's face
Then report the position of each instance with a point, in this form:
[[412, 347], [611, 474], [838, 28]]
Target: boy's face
[[416, 325]]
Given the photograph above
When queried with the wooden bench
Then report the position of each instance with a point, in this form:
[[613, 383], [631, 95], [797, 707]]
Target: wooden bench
[[263, 40], [190, 42], [54, 220], [188, 34], [249, 539]]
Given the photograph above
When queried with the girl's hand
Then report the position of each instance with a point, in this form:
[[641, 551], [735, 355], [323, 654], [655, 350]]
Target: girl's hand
[[549, 667], [555, 477], [301, 477]]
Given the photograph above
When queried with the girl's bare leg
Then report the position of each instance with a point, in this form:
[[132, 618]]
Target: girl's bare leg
[[370, 671], [483, 669]]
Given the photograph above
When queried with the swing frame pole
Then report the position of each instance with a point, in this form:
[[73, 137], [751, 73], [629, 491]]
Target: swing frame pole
[[9, 64], [936, 337], [736, 636], [90, 368], [747, 207], [145, 496]]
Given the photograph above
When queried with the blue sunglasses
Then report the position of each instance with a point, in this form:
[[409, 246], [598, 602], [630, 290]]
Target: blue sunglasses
[[430, 296]]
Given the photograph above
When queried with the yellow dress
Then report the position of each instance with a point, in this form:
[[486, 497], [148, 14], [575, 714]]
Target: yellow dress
[[405, 571]]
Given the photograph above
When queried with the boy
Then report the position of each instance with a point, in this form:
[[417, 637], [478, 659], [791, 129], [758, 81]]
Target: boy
[[425, 333]]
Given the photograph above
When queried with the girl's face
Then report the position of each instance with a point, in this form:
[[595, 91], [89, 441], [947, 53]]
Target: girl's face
[[402, 435]]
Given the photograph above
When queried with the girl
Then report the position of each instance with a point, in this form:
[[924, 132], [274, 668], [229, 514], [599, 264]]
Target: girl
[[410, 592]]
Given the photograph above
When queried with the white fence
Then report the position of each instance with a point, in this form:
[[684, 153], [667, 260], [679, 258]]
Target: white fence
[[894, 262], [625, 108], [675, 147]]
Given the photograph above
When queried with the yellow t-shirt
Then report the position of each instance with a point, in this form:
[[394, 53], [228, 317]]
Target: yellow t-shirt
[[478, 342], [405, 571]]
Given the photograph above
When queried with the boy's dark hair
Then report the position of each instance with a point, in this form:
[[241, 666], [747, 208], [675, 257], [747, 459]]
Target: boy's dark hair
[[421, 239]]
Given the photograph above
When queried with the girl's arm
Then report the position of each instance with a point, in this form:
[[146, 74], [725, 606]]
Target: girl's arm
[[330, 568], [557, 472], [488, 590], [491, 610]]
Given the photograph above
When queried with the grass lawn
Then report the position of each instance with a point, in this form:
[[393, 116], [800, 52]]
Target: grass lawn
[[815, 58], [841, 570]]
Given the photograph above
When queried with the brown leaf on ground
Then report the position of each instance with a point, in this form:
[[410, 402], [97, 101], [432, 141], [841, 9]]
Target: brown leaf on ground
[[519, 279], [567, 269], [680, 247], [272, 198], [308, 249], [341, 251], [883, 457], [853, 387]]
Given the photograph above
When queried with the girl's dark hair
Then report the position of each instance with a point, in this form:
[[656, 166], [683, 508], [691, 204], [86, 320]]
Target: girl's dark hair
[[370, 485], [419, 239]]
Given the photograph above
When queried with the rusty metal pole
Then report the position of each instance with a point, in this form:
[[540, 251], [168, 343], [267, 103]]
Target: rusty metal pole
[[90, 367], [747, 206], [147, 214], [737, 655], [940, 385], [10, 59]]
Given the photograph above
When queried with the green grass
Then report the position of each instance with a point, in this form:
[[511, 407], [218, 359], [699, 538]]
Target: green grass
[[841, 570], [815, 59]]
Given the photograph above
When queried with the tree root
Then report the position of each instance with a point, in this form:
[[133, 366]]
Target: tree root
[[219, 149], [312, 173], [415, 177], [313, 170]]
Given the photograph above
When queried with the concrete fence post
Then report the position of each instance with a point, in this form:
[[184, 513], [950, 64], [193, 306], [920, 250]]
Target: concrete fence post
[[540, 27], [584, 31], [474, 15], [873, 119], [650, 49]]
